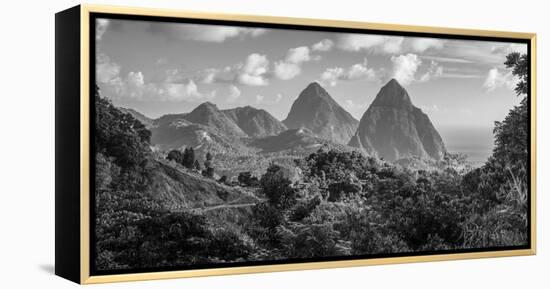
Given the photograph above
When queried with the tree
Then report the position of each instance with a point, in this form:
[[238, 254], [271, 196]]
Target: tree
[[124, 141], [208, 168], [175, 155], [120, 135], [511, 134], [520, 68], [277, 188], [208, 161], [188, 160], [197, 165], [247, 179], [208, 172], [223, 179], [501, 185]]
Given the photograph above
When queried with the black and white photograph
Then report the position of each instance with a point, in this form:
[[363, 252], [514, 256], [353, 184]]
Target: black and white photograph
[[220, 144]]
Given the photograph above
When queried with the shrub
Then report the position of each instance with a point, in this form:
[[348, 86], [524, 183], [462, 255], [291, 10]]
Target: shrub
[[277, 188], [247, 179]]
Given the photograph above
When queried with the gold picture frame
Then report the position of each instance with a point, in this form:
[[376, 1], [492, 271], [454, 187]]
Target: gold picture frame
[[82, 261]]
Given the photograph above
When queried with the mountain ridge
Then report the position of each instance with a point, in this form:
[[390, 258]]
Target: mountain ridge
[[255, 122]]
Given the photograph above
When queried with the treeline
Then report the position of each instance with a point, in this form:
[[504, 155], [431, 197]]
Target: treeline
[[187, 159]]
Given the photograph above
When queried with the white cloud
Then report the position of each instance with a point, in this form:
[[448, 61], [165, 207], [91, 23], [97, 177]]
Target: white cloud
[[460, 75], [259, 98], [290, 67], [135, 78], [423, 44], [323, 45], [388, 44], [358, 71], [134, 86], [376, 43], [191, 90], [254, 70], [356, 42], [446, 59], [506, 48], [298, 55], [405, 67], [496, 79], [106, 70], [392, 44], [227, 74], [234, 93], [101, 26], [490, 54], [284, 70], [201, 32], [433, 71], [209, 77], [331, 75]]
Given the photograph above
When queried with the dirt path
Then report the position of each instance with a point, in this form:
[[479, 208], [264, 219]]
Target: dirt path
[[222, 206], [227, 206]]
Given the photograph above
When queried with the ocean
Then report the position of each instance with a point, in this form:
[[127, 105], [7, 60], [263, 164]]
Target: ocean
[[477, 143]]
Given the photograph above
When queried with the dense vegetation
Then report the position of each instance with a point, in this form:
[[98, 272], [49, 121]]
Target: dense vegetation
[[132, 229], [330, 203]]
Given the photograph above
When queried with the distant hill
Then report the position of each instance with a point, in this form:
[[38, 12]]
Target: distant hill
[[209, 115], [168, 118], [317, 111], [292, 140], [148, 122], [179, 132], [209, 129], [255, 122], [393, 128]]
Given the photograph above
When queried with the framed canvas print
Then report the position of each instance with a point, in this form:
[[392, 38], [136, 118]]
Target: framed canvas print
[[194, 144]]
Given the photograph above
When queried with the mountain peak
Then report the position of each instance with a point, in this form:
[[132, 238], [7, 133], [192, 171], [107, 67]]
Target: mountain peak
[[207, 105], [315, 90], [392, 94], [209, 115], [314, 84], [317, 111], [255, 122], [393, 128], [394, 82]]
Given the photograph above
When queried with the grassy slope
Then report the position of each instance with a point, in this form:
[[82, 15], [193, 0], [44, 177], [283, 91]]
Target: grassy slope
[[178, 188]]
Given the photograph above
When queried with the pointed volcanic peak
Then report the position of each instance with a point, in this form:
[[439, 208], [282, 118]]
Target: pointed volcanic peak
[[317, 111], [393, 128], [255, 122], [392, 94], [209, 115]]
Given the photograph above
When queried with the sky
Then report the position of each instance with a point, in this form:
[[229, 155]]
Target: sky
[[159, 68]]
